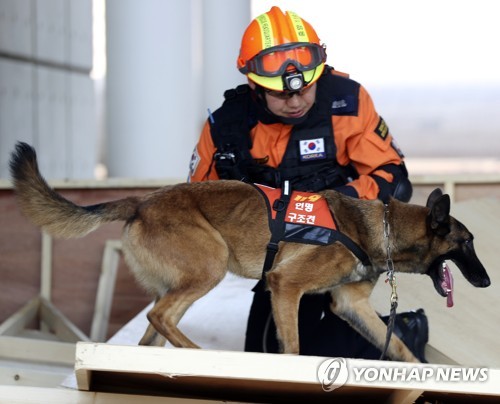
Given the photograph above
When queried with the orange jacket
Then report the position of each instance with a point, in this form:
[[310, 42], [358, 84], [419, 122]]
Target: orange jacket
[[363, 140]]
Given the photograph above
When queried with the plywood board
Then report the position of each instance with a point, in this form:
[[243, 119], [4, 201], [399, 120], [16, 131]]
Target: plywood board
[[252, 377]]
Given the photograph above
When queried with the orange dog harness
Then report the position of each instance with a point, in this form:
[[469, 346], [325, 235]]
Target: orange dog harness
[[302, 217]]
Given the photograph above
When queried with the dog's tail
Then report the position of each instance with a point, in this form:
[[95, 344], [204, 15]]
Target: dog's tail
[[52, 212]]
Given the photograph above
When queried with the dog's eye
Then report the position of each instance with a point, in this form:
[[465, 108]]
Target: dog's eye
[[468, 243]]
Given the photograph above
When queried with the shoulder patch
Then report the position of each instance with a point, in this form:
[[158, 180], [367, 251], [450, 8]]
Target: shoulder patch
[[382, 129], [343, 105], [195, 160]]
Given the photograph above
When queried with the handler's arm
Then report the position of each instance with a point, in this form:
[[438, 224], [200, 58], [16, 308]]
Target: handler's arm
[[371, 149], [201, 166]]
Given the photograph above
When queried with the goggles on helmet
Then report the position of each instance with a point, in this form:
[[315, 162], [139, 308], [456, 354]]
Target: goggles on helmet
[[274, 61]]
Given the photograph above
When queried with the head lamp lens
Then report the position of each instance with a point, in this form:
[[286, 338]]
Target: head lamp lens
[[294, 81]]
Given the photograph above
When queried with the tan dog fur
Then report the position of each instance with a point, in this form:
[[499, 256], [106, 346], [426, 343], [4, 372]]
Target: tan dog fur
[[181, 240]]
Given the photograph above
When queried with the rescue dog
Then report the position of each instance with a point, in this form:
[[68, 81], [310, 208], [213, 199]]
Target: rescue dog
[[180, 241]]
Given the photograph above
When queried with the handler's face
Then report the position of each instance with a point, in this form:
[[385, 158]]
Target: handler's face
[[294, 105]]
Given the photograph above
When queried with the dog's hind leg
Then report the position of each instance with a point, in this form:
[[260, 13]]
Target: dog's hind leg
[[351, 303], [191, 283], [152, 337], [167, 312], [177, 260]]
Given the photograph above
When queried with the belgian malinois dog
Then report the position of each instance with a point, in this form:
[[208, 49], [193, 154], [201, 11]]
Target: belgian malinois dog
[[181, 240]]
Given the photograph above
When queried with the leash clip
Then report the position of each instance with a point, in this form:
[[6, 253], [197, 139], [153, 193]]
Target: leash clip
[[391, 279], [394, 293]]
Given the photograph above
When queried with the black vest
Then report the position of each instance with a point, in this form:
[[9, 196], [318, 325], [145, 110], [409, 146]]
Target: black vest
[[309, 162]]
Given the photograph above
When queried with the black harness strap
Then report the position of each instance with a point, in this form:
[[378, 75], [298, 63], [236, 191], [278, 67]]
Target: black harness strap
[[352, 246], [277, 227]]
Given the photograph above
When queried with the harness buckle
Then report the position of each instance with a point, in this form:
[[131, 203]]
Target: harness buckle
[[273, 247], [225, 156], [279, 205]]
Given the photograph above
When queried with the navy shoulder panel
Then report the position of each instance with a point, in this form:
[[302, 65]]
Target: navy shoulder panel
[[341, 94]]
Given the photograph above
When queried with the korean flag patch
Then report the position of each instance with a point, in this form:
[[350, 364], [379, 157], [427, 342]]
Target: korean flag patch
[[312, 149]]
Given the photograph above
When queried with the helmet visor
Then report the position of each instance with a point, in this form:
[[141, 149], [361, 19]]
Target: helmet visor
[[274, 61]]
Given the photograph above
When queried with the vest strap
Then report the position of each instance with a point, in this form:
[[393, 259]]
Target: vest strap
[[277, 227]]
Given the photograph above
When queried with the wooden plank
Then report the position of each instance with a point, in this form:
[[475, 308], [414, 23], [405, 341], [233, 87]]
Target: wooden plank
[[433, 355], [46, 268], [105, 290], [15, 348], [45, 312], [22, 374], [244, 376], [40, 395], [404, 396], [15, 323], [59, 324]]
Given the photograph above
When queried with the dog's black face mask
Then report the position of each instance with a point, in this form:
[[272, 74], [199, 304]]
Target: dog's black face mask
[[455, 243]]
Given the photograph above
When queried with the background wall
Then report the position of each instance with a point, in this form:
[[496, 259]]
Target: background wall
[[167, 62], [46, 94]]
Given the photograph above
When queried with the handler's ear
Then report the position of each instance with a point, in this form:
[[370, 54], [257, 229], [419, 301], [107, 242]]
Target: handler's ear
[[440, 215]]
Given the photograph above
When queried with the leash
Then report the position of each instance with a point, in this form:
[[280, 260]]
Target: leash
[[391, 279]]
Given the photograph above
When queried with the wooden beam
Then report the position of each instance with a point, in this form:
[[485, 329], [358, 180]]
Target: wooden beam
[[25, 374], [58, 324], [46, 267], [48, 318], [25, 349], [105, 290], [40, 395], [404, 396], [18, 321]]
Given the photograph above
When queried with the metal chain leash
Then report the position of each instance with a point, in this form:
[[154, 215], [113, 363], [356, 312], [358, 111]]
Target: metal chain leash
[[391, 279]]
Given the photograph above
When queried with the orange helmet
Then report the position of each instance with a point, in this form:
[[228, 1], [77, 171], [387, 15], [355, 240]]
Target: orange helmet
[[281, 51]]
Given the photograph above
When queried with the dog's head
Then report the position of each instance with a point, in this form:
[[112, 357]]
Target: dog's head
[[453, 242]]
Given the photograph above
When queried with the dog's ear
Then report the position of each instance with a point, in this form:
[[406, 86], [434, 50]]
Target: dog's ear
[[433, 197], [440, 215]]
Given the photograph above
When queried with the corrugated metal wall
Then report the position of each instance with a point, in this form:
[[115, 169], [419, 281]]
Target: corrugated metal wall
[[46, 94]]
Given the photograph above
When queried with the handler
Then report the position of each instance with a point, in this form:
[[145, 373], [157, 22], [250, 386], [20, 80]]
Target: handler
[[300, 120]]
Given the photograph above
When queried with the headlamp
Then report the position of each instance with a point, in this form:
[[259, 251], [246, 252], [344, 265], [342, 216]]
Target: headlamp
[[293, 82]]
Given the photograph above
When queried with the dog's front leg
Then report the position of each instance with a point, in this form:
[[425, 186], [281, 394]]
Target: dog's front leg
[[285, 304], [351, 303]]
